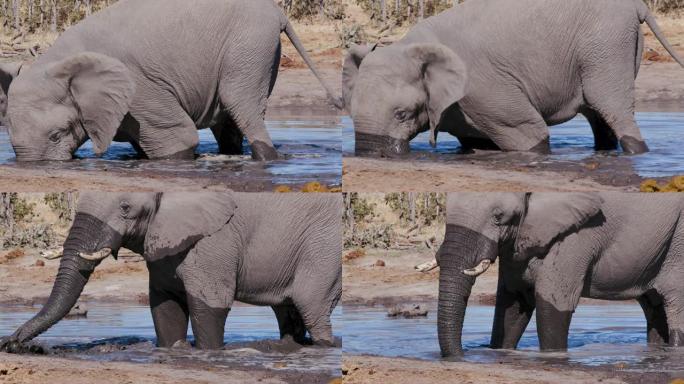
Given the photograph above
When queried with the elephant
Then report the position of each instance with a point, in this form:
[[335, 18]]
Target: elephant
[[497, 73], [554, 248], [204, 251], [153, 72], [8, 72]]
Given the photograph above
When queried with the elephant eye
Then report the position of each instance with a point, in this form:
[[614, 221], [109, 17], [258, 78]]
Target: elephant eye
[[498, 216], [55, 136], [125, 207], [401, 115]]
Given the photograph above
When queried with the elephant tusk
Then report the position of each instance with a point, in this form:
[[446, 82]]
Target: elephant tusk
[[96, 256], [479, 269]]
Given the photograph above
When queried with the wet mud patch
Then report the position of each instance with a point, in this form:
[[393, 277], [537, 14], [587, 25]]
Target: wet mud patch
[[573, 154], [606, 338], [252, 341], [309, 150]]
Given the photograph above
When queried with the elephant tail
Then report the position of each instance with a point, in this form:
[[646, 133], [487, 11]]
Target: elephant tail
[[294, 39], [645, 15]]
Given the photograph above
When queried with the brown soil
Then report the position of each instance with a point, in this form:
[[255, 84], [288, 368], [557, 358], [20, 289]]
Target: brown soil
[[370, 369], [29, 370], [26, 283]]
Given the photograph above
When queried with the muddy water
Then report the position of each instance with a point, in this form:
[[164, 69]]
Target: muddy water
[[310, 149], [601, 336], [571, 142], [115, 332]]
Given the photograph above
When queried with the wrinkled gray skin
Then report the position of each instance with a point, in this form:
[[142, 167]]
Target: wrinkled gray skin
[[555, 248], [497, 73], [203, 252], [8, 72], [151, 72]]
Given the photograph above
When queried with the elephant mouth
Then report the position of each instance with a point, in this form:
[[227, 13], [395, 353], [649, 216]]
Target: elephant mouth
[[370, 145]]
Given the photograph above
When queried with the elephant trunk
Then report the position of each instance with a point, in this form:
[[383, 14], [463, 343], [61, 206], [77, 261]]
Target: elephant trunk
[[87, 239], [464, 255], [368, 144], [73, 275]]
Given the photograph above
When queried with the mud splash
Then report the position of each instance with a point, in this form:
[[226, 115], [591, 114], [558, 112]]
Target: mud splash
[[601, 337], [125, 333]]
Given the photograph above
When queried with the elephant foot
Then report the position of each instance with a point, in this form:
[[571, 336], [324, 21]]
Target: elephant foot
[[542, 148], [676, 338], [632, 146], [187, 154], [263, 152], [182, 345], [552, 326], [19, 348]]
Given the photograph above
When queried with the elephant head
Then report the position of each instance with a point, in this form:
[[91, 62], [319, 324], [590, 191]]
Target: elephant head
[[396, 92], [514, 227], [53, 109], [155, 225]]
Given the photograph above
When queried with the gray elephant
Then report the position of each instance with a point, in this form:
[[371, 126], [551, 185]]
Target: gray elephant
[[203, 252], [8, 72], [555, 248], [151, 72], [497, 73]]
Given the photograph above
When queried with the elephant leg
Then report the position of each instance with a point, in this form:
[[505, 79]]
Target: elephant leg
[[315, 313], [604, 136], [170, 317], [611, 95], [166, 130], [290, 323], [522, 129], [558, 288], [208, 324], [228, 137], [656, 320], [511, 317], [245, 91]]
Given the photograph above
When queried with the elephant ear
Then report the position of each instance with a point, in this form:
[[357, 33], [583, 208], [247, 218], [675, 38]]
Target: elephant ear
[[551, 216], [182, 219], [9, 72], [102, 90], [350, 70], [444, 78]]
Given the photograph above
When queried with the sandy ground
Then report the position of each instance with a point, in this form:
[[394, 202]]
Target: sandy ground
[[398, 281], [370, 369], [28, 369], [25, 282]]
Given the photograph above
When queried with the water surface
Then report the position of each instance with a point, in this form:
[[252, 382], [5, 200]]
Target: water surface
[[574, 141], [600, 336], [115, 332], [310, 149]]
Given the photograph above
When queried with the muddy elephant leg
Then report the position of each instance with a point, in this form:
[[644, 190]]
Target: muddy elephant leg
[[316, 315], [604, 136], [511, 317], [228, 137], [290, 323], [558, 288], [656, 321], [208, 324], [170, 317], [521, 129], [611, 95], [166, 130]]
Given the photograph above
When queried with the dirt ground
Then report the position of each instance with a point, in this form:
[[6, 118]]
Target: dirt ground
[[371, 369], [23, 369]]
